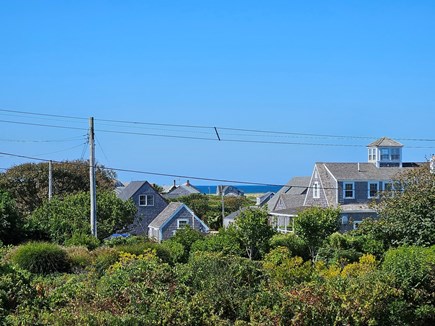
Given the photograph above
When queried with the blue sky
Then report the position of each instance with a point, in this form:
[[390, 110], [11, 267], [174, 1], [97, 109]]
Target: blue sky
[[350, 68]]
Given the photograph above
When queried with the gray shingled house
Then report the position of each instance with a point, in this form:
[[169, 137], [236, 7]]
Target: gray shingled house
[[349, 186], [229, 191], [174, 217], [287, 202], [353, 186], [149, 205], [182, 190]]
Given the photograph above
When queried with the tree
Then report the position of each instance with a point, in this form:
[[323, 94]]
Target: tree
[[315, 224], [11, 222], [251, 228], [59, 219], [187, 237], [28, 183], [407, 214]]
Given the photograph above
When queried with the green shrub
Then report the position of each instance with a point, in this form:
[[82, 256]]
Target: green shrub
[[175, 252], [104, 257], [41, 258], [292, 242], [224, 241], [79, 257], [413, 272], [80, 239], [409, 264], [15, 289], [125, 240], [163, 252]]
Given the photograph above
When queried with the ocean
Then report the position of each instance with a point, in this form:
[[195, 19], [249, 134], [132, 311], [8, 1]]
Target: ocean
[[247, 189]]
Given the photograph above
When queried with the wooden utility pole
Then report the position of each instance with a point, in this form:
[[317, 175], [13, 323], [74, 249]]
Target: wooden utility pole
[[92, 182], [50, 179]]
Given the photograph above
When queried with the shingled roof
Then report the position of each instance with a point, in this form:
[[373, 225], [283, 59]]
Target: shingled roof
[[361, 171], [170, 210], [385, 142], [130, 189]]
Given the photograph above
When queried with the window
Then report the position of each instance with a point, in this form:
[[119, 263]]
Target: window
[[349, 191], [372, 154], [316, 174], [146, 200], [182, 222], [316, 190], [373, 189], [395, 154], [344, 219], [385, 154]]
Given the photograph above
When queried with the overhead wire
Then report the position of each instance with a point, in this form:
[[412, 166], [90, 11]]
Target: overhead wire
[[212, 128], [172, 175]]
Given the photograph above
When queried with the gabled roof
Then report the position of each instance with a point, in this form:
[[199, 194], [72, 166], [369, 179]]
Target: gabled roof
[[264, 198], [167, 213], [190, 188], [295, 186], [131, 189], [385, 142]]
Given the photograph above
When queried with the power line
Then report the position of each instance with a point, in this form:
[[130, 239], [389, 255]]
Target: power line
[[62, 150], [165, 174], [44, 114], [40, 141], [200, 138], [212, 128], [41, 125]]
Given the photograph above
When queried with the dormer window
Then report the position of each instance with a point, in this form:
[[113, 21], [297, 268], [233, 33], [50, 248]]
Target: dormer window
[[395, 154], [385, 152]]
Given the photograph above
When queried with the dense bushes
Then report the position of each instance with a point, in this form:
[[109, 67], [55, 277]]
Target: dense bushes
[[15, 289], [41, 258]]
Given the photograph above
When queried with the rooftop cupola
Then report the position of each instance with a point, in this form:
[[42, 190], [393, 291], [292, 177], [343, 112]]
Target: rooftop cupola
[[385, 152]]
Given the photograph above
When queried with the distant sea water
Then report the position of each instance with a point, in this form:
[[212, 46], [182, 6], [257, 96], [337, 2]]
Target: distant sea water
[[251, 189]]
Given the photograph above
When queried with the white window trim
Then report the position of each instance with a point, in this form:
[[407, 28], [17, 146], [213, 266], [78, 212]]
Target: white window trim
[[344, 190], [377, 189], [316, 190], [146, 200], [182, 220]]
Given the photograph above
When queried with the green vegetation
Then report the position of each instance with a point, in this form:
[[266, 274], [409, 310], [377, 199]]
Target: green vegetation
[[244, 275], [41, 258], [66, 221], [28, 183]]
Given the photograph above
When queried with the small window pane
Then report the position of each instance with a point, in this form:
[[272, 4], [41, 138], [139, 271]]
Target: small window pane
[[150, 200], [373, 190], [348, 190]]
